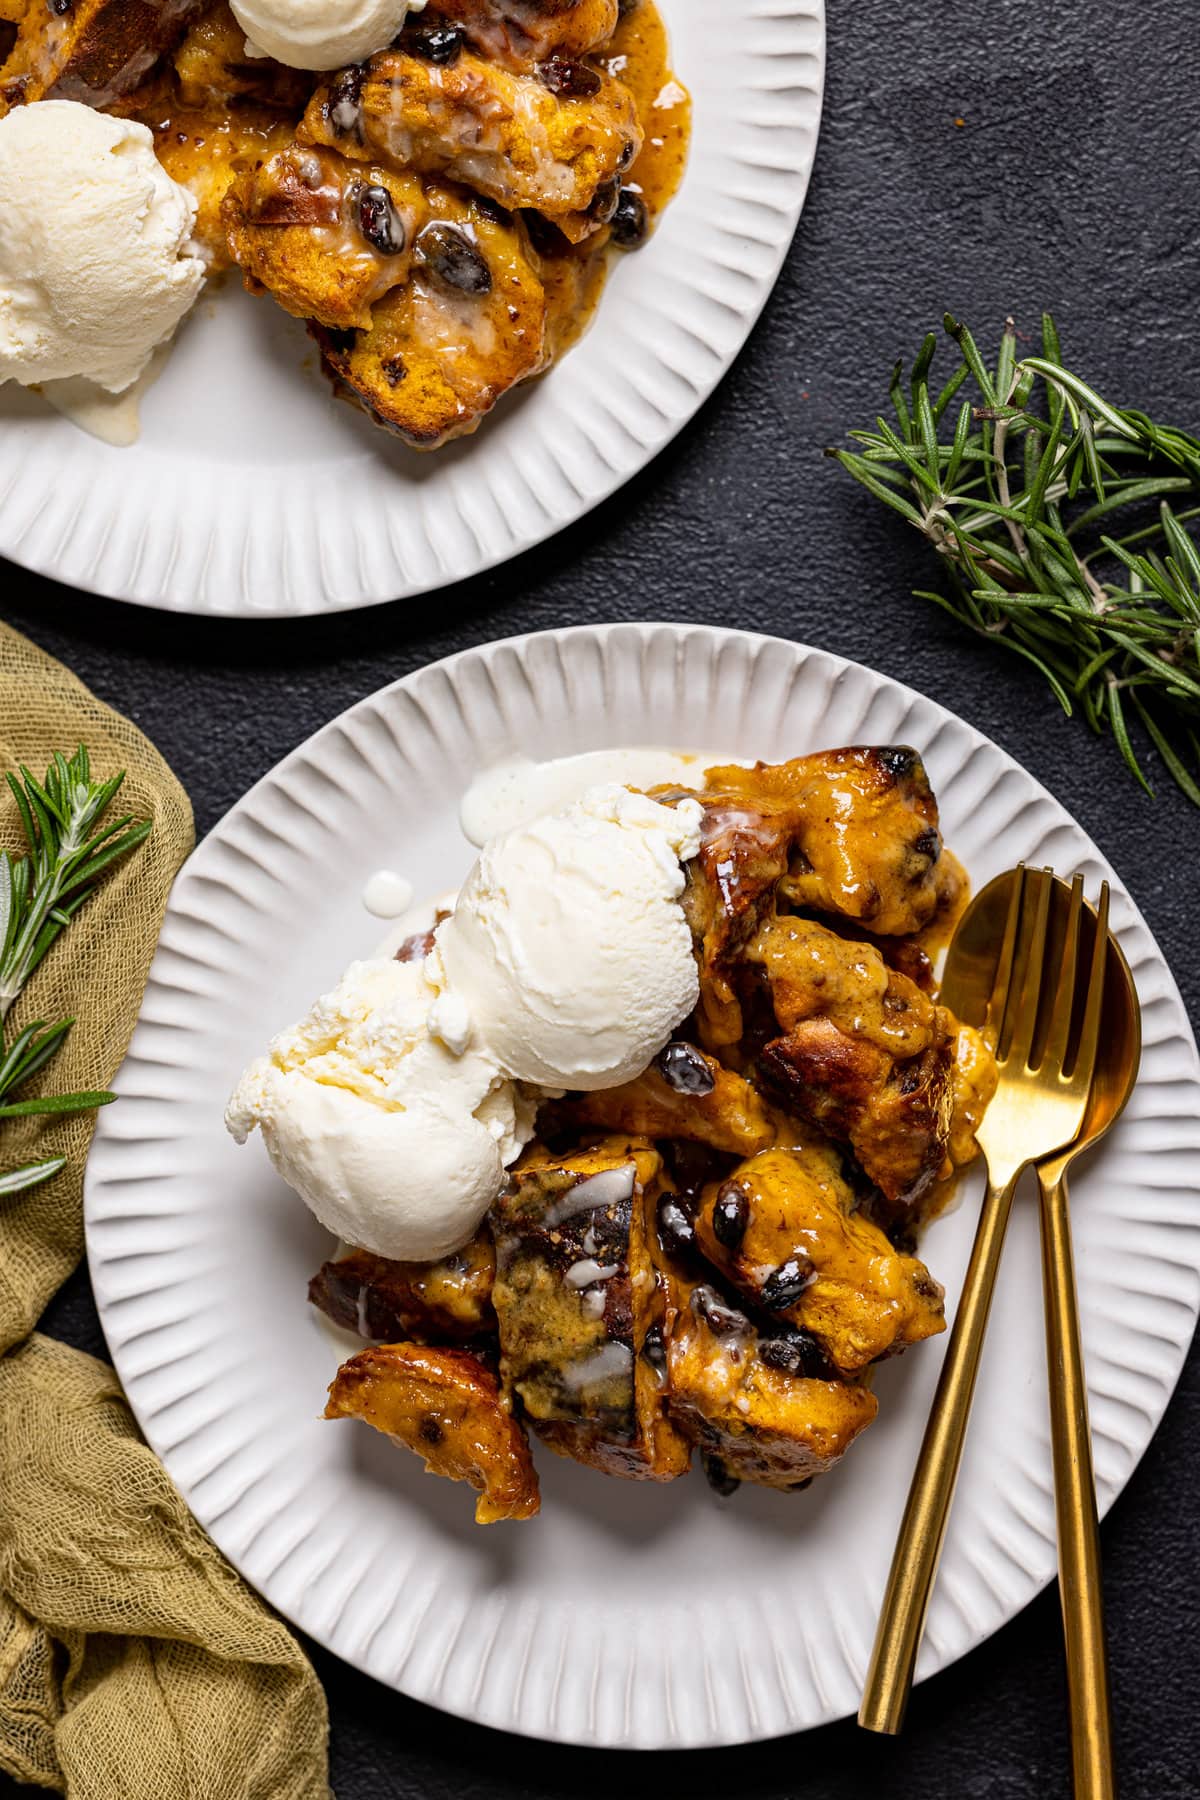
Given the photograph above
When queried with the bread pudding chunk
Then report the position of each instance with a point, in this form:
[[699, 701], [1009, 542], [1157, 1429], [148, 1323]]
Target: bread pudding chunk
[[744, 1400], [580, 1306], [784, 1229], [445, 1302], [516, 33], [447, 1407], [864, 1053], [560, 149]]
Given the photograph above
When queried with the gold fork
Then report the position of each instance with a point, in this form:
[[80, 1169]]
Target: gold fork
[[1037, 1110]]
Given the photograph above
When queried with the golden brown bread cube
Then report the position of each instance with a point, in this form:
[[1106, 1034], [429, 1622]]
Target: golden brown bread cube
[[753, 1420], [447, 1407], [298, 227], [717, 1107], [509, 136], [580, 1307], [852, 832], [95, 51], [864, 1053], [424, 298], [446, 1302], [783, 1229]]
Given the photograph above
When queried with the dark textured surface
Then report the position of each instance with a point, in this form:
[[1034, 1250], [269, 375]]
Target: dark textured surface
[[1065, 187]]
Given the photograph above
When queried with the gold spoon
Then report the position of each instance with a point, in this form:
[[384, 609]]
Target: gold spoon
[[1079, 1575]]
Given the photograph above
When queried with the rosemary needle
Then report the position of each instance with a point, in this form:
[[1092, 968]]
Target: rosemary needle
[[1061, 521]]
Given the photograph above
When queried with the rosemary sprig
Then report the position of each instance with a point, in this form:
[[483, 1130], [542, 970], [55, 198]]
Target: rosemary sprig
[[40, 893], [1060, 519]]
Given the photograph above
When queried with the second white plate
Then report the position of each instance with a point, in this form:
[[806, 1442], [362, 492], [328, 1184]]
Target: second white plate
[[254, 492], [626, 1614]]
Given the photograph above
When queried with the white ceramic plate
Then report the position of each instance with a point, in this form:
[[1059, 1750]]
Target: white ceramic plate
[[626, 1614], [253, 492]]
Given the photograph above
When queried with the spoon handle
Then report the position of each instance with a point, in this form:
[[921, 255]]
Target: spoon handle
[[1075, 1504], [923, 1528]]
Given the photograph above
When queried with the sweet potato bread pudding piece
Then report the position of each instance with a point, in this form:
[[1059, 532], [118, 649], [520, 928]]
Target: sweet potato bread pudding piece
[[714, 1256], [447, 1406], [94, 51], [439, 214], [551, 141], [442, 217]]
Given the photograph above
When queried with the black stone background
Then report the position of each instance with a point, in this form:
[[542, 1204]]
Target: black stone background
[[1073, 183]]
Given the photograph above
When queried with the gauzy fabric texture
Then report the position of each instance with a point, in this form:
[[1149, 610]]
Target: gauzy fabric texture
[[134, 1663]]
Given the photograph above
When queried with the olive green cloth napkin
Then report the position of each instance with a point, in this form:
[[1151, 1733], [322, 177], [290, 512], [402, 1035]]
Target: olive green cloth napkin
[[134, 1663]]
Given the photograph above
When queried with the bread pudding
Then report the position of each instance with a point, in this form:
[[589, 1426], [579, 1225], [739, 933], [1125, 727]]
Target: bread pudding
[[706, 1258], [441, 213]]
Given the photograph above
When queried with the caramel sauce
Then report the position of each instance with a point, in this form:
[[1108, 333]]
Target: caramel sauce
[[640, 56]]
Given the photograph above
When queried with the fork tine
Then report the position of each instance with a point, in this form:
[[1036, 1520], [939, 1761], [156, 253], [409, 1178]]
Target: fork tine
[[1054, 1055], [1089, 1036], [1002, 979], [1021, 1018]]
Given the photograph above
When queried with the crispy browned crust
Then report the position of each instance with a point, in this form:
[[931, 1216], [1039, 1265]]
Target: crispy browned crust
[[447, 1407], [785, 1220], [852, 832], [97, 52], [447, 1302], [506, 135], [521, 33], [896, 1117], [865, 1054]]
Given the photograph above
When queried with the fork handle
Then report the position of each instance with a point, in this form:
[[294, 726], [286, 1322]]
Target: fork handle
[[1079, 1574], [919, 1545]]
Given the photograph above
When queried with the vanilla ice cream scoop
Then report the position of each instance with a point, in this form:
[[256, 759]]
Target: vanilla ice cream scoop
[[321, 34], [398, 1145], [568, 947], [96, 262]]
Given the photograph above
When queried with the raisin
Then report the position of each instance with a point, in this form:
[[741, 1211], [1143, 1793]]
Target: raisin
[[379, 221], [731, 1215], [568, 79], [435, 42], [343, 106], [453, 258], [684, 1069], [394, 370], [722, 1320], [717, 1475], [674, 1225], [605, 202], [60, 8], [899, 762], [796, 1353], [630, 221], [784, 1286], [430, 1430], [928, 843], [544, 235]]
